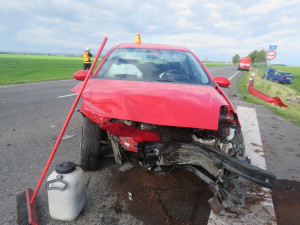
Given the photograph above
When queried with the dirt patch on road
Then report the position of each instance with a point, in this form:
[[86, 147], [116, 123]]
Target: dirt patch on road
[[286, 198], [179, 197]]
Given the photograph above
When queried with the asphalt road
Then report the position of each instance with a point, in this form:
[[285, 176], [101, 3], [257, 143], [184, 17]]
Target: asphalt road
[[31, 116]]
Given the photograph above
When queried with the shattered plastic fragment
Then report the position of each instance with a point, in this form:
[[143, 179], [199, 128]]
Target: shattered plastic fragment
[[66, 137], [130, 196]]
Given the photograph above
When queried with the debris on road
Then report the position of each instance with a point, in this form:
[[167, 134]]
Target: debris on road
[[293, 98], [66, 136], [130, 196]]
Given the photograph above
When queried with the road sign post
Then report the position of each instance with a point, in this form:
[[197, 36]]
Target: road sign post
[[270, 55]]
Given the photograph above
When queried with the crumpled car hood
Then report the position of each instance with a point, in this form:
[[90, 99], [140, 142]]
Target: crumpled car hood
[[168, 104]]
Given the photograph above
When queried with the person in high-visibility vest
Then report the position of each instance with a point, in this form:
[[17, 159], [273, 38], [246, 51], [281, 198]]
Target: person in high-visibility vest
[[87, 58]]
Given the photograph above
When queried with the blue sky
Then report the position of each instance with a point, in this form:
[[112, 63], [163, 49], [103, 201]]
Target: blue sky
[[213, 29]]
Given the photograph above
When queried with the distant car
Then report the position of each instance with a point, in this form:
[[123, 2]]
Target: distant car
[[244, 63], [157, 106], [279, 77]]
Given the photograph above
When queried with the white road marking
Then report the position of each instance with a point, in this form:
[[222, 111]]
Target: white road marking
[[262, 212], [64, 96], [44, 82], [233, 75]]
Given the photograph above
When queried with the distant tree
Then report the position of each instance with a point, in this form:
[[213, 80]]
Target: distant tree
[[236, 59], [258, 56]]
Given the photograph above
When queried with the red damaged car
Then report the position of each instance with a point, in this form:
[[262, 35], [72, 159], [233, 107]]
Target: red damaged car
[[157, 105]]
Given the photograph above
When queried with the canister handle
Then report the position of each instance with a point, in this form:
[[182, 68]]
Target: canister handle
[[56, 188]]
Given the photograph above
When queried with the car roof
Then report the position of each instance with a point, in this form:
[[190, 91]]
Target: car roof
[[152, 46]]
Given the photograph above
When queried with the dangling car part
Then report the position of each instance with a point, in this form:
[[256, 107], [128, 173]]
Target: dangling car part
[[158, 107]]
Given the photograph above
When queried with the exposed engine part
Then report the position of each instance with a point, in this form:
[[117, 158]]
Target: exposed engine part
[[147, 126], [225, 115], [183, 156], [225, 118], [211, 142], [227, 148], [150, 152], [231, 132], [115, 146], [174, 133], [205, 134], [224, 130]]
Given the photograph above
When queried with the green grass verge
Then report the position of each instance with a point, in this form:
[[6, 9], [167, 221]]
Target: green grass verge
[[272, 89], [16, 68]]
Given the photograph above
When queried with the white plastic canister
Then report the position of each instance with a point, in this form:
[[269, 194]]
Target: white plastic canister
[[66, 191]]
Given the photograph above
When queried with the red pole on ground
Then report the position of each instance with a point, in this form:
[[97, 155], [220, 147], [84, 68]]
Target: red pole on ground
[[67, 122]]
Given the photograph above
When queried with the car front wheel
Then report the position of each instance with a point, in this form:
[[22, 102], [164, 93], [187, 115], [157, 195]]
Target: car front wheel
[[90, 145]]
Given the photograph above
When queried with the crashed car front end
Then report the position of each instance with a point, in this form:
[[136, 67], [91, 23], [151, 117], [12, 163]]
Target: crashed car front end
[[170, 118]]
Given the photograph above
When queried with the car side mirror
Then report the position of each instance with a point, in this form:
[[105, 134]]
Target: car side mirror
[[222, 81], [81, 74]]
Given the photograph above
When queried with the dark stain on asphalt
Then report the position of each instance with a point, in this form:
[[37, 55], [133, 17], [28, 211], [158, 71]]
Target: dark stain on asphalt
[[179, 197], [286, 198], [117, 207]]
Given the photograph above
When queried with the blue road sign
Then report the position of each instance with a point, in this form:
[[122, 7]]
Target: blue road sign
[[272, 47]]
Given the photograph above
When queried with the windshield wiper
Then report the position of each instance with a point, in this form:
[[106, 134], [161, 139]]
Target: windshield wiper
[[164, 80]]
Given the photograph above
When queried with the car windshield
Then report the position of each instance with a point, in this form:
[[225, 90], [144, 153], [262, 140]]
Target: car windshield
[[155, 65]]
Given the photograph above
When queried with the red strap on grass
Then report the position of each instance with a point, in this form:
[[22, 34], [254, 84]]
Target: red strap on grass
[[272, 100]]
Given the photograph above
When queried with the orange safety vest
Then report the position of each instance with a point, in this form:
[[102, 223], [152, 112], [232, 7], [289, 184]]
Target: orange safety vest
[[86, 57]]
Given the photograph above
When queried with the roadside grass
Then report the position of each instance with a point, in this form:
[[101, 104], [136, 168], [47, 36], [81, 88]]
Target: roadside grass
[[17, 68], [292, 112]]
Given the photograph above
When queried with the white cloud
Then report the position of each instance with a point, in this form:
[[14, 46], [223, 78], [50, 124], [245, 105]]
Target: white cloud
[[217, 29]]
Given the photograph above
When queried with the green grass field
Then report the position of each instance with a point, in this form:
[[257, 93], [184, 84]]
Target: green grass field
[[273, 89], [18, 68]]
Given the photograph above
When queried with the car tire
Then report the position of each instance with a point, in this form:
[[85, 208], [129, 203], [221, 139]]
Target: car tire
[[90, 145], [238, 140], [276, 81]]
